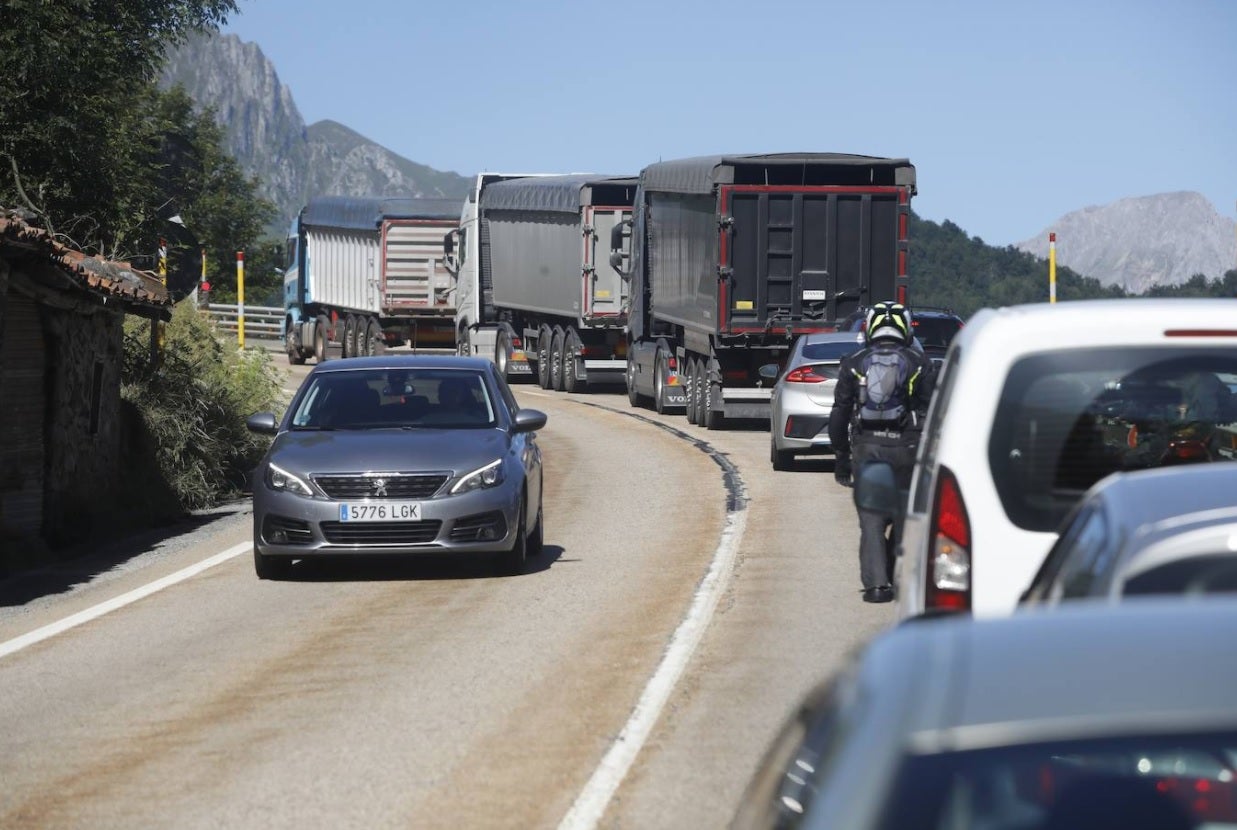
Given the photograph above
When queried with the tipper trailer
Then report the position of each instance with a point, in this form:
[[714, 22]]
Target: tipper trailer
[[365, 273], [732, 257], [536, 290]]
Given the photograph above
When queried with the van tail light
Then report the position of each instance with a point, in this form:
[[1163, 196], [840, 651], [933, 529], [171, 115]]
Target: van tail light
[[949, 568]]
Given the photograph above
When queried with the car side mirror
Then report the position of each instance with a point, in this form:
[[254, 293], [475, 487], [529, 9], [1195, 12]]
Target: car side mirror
[[877, 491], [528, 420], [263, 423], [769, 371]]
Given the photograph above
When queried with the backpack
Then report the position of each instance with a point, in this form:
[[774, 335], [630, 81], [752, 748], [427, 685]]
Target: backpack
[[884, 388]]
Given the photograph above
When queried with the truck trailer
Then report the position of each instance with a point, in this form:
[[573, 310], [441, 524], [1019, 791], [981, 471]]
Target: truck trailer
[[365, 273], [732, 257], [537, 293]]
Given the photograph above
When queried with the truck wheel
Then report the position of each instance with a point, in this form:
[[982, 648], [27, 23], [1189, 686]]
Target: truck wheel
[[544, 336], [556, 360], [692, 390], [660, 370], [356, 345], [320, 344], [702, 381], [502, 352], [712, 418], [463, 344], [633, 396], [345, 346], [292, 344], [571, 347], [375, 344]]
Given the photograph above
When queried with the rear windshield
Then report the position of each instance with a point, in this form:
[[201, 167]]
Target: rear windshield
[[936, 332], [1185, 781], [829, 351], [1067, 419]]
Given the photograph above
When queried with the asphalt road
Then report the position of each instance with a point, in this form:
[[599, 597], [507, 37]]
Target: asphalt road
[[432, 693]]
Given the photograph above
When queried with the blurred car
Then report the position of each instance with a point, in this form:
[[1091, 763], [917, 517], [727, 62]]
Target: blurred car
[[803, 396], [1034, 405], [1090, 717], [1165, 531], [399, 455]]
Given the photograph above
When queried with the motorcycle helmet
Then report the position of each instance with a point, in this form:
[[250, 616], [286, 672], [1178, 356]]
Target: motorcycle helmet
[[889, 321]]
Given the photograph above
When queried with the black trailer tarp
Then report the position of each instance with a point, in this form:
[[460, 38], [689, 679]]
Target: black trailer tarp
[[702, 174], [367, 212], [554, 194]]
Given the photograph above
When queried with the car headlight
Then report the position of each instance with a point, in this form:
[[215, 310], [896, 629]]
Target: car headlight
[[491, 475], [278, 478]]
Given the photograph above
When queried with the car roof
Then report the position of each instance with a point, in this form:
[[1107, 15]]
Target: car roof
[[404, 361], [1080, 670], [1139, 498]]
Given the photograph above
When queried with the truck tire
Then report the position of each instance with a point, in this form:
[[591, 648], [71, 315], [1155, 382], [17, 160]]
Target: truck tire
[[633, 396], [375, 343], [712, 418], [502, 353], [660, 370], [292, 343], [544, 336], [320, 343], [556, 360], [571, 346], [463, 343], [692, 390], [702, 380]]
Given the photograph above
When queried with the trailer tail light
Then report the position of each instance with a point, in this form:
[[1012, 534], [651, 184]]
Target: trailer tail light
[[805, 374], [949, 567], [735, 374], [516, 343]]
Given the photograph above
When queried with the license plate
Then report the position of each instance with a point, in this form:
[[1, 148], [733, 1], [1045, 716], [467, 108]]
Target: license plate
[[814, 294], [390, 511]]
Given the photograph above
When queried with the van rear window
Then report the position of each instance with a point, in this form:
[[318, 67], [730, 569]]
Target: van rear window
[[1067, 419]]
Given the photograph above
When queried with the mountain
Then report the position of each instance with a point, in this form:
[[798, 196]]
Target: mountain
[[268, 137], [1143, 241]]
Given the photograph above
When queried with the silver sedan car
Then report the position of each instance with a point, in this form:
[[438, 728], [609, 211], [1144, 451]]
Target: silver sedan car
[[1096, 717], [398, 455], [1168, 530], [803, 395]]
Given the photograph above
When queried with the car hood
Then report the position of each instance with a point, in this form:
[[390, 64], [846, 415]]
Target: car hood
[[388, 450]]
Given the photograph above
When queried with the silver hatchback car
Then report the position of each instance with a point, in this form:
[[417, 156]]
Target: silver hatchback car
[[803, 396], [398, 455]]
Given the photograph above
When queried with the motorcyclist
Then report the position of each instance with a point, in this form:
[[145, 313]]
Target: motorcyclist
[[879, 405]]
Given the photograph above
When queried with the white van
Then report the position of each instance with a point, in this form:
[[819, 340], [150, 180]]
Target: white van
[[1034, 405]]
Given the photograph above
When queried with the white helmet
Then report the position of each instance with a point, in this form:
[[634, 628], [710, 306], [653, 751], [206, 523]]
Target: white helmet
[[889, 321]]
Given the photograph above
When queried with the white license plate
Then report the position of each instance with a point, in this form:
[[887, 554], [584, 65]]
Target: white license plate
[[388, 511], [813, 294]]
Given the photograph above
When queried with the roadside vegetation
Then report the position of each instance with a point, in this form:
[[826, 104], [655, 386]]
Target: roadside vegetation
[[191, 441]]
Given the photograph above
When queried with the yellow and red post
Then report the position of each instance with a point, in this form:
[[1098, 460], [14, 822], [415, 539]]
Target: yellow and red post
[[1052, 267], [240, 299]]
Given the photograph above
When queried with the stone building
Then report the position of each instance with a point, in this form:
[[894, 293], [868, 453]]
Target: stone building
[[62, 429]]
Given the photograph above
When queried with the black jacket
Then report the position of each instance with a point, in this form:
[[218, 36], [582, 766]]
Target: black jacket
[[846, 395]]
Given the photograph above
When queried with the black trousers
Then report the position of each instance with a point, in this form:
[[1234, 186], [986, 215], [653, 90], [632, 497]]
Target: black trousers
[[877, 533]]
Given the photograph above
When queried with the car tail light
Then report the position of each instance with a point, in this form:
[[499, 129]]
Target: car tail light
[[1187, 450], [949, 568], [805, 374]]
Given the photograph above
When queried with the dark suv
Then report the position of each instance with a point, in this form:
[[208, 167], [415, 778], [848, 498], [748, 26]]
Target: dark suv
[[934, 328]]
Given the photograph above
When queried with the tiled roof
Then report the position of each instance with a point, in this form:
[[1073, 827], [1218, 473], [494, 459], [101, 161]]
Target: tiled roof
[[116, 280]]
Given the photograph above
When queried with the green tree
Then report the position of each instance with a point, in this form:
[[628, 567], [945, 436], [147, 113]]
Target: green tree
[[74, 76]]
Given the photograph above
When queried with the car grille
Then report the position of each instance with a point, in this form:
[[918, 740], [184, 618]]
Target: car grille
[[381, 533], [278, 530], [480, 528], [382, 485]]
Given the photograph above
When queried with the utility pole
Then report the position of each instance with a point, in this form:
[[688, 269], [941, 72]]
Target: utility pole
[[156, 326]]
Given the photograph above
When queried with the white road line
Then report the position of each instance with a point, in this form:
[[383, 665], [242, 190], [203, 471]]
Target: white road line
[[591, 804], [93, 613]]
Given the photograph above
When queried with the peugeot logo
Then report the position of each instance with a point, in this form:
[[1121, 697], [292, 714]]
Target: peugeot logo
[[380, 487]]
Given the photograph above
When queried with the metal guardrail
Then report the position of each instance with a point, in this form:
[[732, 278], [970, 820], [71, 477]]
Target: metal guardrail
[[262, 322]]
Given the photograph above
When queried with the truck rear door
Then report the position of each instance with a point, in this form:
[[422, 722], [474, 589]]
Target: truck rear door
[[799, 255], [414, 276], [605, 291]]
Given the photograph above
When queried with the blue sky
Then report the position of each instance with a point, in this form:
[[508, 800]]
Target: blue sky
[[1013, 113]]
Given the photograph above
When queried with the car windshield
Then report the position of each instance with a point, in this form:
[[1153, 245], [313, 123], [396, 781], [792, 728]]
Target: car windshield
[[1212, 573], [1161, 782], [830, 351], [394, 399], [936, 332], [1067, 419]]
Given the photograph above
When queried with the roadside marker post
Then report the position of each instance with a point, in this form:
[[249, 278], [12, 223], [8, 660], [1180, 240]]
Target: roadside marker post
[[1052, 267]]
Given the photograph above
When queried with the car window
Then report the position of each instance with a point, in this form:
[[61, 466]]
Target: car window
[[937, 409], [1045, 580], [1088, 560], [394, 398], [936, 332], [1067, 419], [830, 351], [1203, 574], [1165, 782]]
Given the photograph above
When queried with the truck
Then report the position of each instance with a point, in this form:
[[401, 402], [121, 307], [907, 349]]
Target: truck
[[366, 273], [730, 258], [536, 292]]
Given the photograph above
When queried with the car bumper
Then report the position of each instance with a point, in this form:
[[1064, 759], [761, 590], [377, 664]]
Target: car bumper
[[809, 432], [482, 521]]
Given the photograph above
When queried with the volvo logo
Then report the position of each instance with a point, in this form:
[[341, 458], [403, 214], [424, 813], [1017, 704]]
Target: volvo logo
[[380, 487]]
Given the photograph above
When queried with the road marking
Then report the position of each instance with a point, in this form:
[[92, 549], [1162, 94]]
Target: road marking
[[591, 804], [93, 613]]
